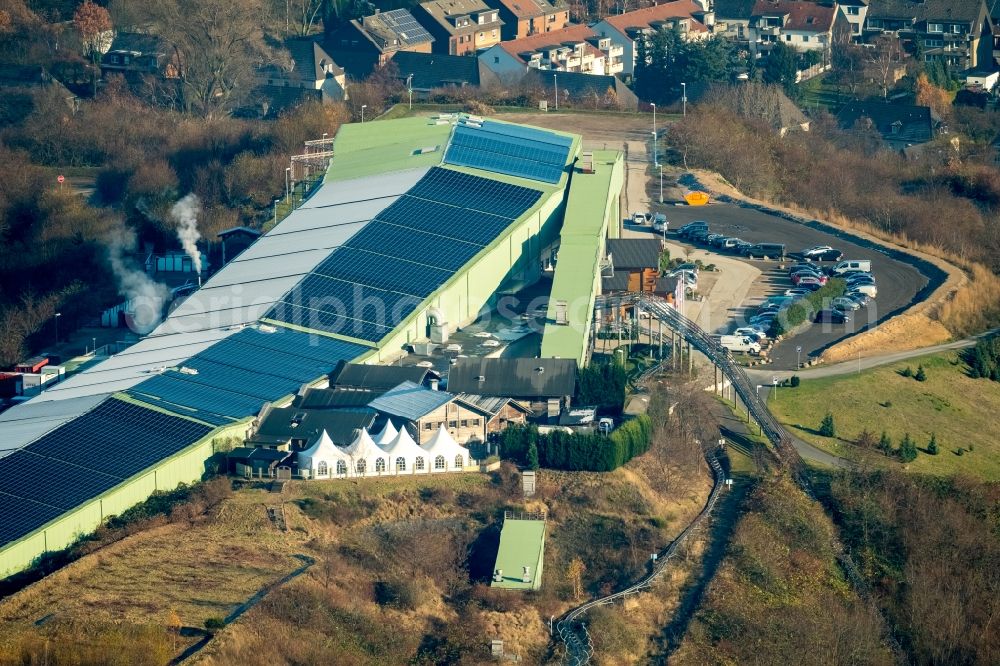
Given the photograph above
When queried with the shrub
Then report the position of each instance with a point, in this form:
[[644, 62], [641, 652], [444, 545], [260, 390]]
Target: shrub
[[907, 449], [827, 427], [533, 455], [984, 359], [794, 381], [906, 372], [866, 440], [921, 375], [602, 385], [932, 447], [404, 593], [579, 451], [885, 443], [214, 624]]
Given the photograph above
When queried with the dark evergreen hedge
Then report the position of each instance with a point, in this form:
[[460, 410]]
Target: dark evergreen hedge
[[578, 451]]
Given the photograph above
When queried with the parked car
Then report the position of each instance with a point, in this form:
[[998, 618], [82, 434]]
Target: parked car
[[751, 332], [831, 317], [859, 278], [845, 304], [690, 227], [797, 292], [742, 246], [699, 235], [711, 238], [763, 319], [851, 266], [730, 243], [858, 297], [641, 218], [770, 250], [802, 280], [688, 266], [806, 271], [740, 343], [822, 253], [660, 223], [690, 278], [869, 290]]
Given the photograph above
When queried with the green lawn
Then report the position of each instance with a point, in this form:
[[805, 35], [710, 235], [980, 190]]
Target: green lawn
[[817, 93], [960, 411]]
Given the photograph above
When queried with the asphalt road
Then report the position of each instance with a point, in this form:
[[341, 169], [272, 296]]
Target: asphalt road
[[899, 283]]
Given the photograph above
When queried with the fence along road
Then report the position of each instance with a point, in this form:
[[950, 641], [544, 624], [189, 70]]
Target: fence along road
[[580, 649]]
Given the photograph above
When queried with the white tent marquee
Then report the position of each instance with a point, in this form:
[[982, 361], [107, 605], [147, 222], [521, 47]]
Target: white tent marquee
[[388, 434], [324, 459], [367, 459], [405, 455], [445, 454]]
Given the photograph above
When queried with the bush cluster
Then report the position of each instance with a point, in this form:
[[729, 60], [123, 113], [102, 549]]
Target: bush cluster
[[602, 385], [984, 359], [804, 308], [577, 451]]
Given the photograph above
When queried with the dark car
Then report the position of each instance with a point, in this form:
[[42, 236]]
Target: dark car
[[699, 235], [832, 317], [822, 253], [691, 227]]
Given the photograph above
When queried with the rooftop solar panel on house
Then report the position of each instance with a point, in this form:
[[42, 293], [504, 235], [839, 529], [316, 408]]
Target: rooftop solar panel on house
[[404, 25]]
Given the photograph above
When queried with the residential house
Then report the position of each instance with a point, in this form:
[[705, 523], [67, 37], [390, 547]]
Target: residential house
[[523, 18], [633, 264], [855, 12], [901, 126], [582, 89], [292, 428], [460, 27], [732, 19], [806, 26], [136, 54], [958, 32], [424, 72], [544, 385], [573, 49], [424, 411], [624, 30], [309, 73], [363, 45]]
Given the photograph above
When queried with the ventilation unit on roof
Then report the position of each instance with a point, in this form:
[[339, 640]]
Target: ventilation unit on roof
[[587, 162], [474, 119], [498, 576], [525, 574], [426, 149], [445, 116], [481, 378], [561, 318], [469, 123], [267, 328], [157, 370], [184, 370], [441, 122], [236, 327]]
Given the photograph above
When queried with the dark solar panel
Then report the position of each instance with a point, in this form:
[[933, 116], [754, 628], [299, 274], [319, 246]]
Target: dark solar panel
[[382, 272], [319, 348], [175, 388], [118, 438], [470, 226], [467, 191], [524, 132], [331, 322], [512, 166], [22, 517], [413, 245], [514, 146]]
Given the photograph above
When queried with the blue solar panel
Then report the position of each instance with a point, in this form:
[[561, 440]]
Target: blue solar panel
[[328, 351], [467, 191], [413, 245], [105, 438], [526, 154], [200, 400], [470, 226], [22, 517], [531, 133], [382, 272], [331, 322]]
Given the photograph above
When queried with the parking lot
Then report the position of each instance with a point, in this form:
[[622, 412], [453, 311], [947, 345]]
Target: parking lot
[[898, 282]]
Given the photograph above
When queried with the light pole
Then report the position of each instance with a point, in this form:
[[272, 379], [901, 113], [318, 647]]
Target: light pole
[[95, 345], [654, 125], [656, 159], [363, 107], [58, 314], [555, 82], [661, 198], [798, 354], [288, 184], [276, 209], [409, 89], [684, 99]]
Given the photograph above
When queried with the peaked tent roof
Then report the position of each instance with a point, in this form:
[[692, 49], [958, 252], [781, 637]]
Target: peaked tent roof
[[323, 449], [443, 444], [363, 447], [387, 434], [410, 401], [403, 445]]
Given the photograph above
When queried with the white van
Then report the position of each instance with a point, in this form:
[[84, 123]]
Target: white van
[[852, 266], [739, 343]]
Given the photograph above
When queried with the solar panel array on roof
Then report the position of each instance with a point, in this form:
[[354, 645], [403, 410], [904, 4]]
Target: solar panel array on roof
[[234, 378], [510, 149], [365, 288], [404, 25], [84, 458]]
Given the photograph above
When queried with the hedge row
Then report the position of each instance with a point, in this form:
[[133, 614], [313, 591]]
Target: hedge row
[[577, 451], [806, 307]]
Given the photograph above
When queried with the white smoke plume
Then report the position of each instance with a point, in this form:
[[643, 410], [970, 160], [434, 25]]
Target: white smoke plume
[[147, 296], [185, 213]]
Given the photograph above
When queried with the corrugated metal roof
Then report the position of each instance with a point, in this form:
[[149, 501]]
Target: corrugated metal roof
[[522, 544], [635, 253], [410, 401], [514, 377], [376, 377]]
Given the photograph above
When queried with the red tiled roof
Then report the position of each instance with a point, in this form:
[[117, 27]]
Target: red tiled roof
[[524, 9], [641, 18], [573, 33], [802, 16]]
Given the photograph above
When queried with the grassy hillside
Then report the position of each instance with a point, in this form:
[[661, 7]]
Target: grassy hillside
[[778, 596], [959, 410]]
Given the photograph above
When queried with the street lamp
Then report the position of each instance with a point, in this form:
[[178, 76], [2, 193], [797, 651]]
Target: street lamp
[[363, 107], [95, 345], [288, 183], [656, 159], [409, 89], [276, 200], [555, 82], [684, 99], [798, 354], [661, 198], [654, 123], [58, 314]]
